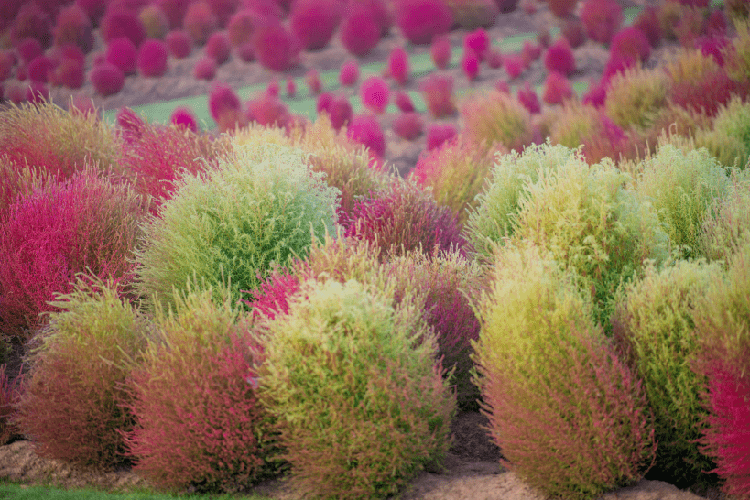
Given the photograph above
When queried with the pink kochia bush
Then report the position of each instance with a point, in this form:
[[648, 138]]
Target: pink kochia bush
[[403, 102], [349, 73], [205, 69], [366, 130], [437, 91], [421, 20], [122, 53], [559, 57], [470, 64], [73, 26], [73, 404], [375, 94], [152, 58], [601, 19], [479, 42], [178, 43], [199, 21], [218, 47], [267, 110], [440, 51], [275, 47], [360, 32], [225, 106], [107, 78], [119, 23], [437, 134], [557, 88], [56, 232], [402, 218], [408, 126], [529, 98], [314, 21], [184, 117], [198, 423], [631, 43], [398, 65]]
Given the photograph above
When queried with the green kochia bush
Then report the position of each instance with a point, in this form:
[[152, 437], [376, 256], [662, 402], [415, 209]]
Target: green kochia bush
[[681, 186], [588, 221], [227, 225], [360, 401], [569, 417], [727, 223], [73, 404], [198, 420], [653, 324], [494, 218]]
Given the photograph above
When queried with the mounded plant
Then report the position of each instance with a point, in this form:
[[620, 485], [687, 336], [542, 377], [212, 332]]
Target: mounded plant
[[726, 225], [728, 135], [496, 117], [653, 326], [352, 379], [66, 227], [72, 407], [456, 173], [45, 136], [198, 422], [261, 204], [636, 96], [681, 187], [570, 417], [421, 20], [437, 92]]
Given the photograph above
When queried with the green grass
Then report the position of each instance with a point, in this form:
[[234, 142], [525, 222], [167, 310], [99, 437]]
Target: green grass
[[16, 491]]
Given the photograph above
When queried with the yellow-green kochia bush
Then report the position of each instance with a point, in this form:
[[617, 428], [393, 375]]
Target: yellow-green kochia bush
[[681, 186], [73, 406], [727, 223], [494, 217], [360, 401], [728, 136], [569, 417], [636, 96], [586, 219], [653, 324], [227, 225]]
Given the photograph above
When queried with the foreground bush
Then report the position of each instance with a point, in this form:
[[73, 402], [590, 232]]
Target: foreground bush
[[569, 417], [73, 404], [198, 422], [86, 222], [589, 222], [653, 324], [17, 179], [681, 186], [228, 224], [722, 324], [726, 225], [47, 137], [361, 406]]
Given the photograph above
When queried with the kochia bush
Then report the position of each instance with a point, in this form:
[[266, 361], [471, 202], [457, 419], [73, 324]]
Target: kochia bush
[[569, 416], [653, 325], [343, 349], [231, 222], [198, 422], [496, 117], [72, 404]]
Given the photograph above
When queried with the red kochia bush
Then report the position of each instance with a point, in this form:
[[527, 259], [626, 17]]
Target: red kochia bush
[[267, 110], [204, 69], [62, 229], [408, 125], [437, 134], [198, 422], [562, 8], [218, 47], [178, 43], [403, 102], [403, 217], [559, 57], [185, 118], [32, 22], [74, 26], [349, 73], [470, 64], [122, 53], [152, 58], [122, 23], [273, 294], [440, 51], [421, 20], [601, 19], [199, 22], [437, 91], [107, 78], [314, 21], [479, 42], [375, 94], [365, 130], [529, 98], [224, 105], [29, 49], [631, 42], [341, 112], [275, 47], [398, 65], [557, 88], [360, 31], [39, 68]]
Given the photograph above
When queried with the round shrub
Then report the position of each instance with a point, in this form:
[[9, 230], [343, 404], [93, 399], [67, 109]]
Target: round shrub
[[398, 65], [200, 362], [122, 53], [635, 96], [205, 69], [496, 117], [559, 57], [727, 223], [421, 20], [65, 228], [529, 98], [648, 22], [440, 51], [601, 19], [155, 21], [572, 30], [178, 43], [538, 347], [39, 68], [199, 22], [73, 26], [218, 47], [514, 65], [349, 73], [403, 102], [241, 26], [470, 64], [314, 21], [237, 248], [681, 186], [341, 112], [69, 72], [478, 41], [275, 47], [455, 172], [631, 43], [366, 130], [118, 23], [32, 21], [408, 126], [375, 94], [728, 137], [653, 325], [352, 347], [267, 110], [557, 88], [474, 13], [402, 218], [437, 91], [184, 117], [152, 58], [438, 133], [224, 105], [312, 78], [360, 32], [72, 404]]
